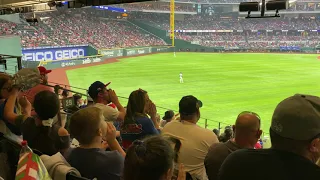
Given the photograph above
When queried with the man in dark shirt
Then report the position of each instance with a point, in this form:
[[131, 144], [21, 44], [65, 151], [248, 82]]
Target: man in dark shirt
[[295, 139], [88, 126], [246, 134]]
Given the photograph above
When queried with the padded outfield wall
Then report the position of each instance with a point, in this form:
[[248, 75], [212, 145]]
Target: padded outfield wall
[[103, 55]]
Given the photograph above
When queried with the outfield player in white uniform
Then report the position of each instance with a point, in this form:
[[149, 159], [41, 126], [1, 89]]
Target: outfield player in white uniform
[[181, 78]]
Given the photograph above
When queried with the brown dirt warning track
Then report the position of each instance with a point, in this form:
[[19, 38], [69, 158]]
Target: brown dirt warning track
[[59, 76]]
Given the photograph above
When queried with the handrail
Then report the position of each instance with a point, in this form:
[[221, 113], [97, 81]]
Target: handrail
[[205, 123]]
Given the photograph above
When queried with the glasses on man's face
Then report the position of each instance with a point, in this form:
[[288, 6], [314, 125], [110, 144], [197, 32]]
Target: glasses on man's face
[[249, 112]]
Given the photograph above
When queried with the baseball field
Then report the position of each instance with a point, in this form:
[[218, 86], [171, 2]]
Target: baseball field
[[227, 84]]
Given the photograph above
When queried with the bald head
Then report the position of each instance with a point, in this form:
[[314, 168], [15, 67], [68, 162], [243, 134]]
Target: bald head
[[247, 123], [247, 130]]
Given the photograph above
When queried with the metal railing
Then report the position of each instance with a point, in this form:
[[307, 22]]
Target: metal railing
[[203, 120]]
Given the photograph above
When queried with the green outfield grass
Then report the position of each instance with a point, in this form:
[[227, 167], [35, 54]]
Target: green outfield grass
[[226, 83]]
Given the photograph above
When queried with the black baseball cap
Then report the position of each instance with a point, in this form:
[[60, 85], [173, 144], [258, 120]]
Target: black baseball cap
[[189, 105], [95, 88]]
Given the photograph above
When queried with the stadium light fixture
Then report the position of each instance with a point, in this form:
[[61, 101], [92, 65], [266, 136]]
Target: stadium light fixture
[[271, 5], [277, 5], [249, 6]]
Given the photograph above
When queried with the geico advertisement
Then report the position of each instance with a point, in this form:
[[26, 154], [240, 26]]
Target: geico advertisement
[[53, 53]]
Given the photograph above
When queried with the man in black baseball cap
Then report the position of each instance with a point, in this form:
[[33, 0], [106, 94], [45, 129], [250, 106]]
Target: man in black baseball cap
[[189, 105], [102, 97], [195, 140], [295, 139]]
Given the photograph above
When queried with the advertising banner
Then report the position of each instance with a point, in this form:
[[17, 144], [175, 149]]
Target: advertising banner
[[160, 49], [138, 51], [71, 62], [290, 48], [66, 62], [51, 54], [112, 53]]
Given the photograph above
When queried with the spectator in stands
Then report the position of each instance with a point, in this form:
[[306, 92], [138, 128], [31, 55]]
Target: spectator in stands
[[5, 89], [65, 94], [40, 132], [79, 101], [102, 97], [5, 86], [168, 117], [227, 135], [78, 104], [137, 124], [295, 139], [30, 94], [216, 132], [195, 140], [91, 159], [151, 158], [246, 134]]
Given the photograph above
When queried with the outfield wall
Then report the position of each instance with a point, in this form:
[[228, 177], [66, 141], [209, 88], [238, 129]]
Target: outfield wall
[[104, 55]]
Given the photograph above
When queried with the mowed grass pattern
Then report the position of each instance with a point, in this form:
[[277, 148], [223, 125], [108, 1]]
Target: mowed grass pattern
[[226, 83]]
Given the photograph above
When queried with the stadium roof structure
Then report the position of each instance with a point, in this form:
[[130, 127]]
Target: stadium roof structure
[[23, 3]]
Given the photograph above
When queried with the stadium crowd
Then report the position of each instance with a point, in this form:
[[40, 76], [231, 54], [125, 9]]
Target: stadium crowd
[[184, 6], [132, 142], [233, 1], [70, 27], [156, 6], [79, 27]]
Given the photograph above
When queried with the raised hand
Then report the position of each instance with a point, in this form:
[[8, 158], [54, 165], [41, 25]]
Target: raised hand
[[24, 103], [151, 109], [111, 132], [182, 172], [113, 96]]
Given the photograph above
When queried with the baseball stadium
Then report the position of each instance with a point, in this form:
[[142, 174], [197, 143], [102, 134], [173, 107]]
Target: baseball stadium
[[232, 56]]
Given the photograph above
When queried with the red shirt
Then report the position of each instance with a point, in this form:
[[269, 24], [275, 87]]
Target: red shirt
[[258, 146], [31, 93]]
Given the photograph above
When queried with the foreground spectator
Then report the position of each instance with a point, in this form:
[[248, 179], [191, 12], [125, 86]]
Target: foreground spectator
[[151, 159], [91, 159], [195, 140], [246, 134], [31, 93], [295, 139], [168, 117], [102, 97], [5, 86], [137, 124], [40, 132]]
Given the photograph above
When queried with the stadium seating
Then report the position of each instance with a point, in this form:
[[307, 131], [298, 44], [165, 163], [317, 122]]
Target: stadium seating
[[59, 29], [70, 27]]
